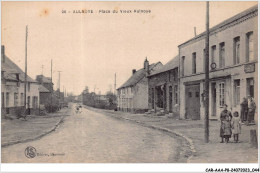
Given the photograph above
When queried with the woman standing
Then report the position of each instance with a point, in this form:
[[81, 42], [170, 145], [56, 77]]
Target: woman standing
[[251, 110], [244, 110], [223, 115]]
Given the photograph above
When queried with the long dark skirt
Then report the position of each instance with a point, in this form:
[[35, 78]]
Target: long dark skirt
[[251, 116], [221, 133], [243, 114]]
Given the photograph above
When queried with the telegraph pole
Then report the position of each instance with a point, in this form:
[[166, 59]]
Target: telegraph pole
[[25, 77], [51, 86], [115, 85], [42, 68], [207, 76], [59, 83]]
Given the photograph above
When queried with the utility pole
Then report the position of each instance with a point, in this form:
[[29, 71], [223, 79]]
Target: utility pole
[[115, 85], [51, 86], [42, 68], [207, 76], [59, 83], [25, 77], [59, 88]]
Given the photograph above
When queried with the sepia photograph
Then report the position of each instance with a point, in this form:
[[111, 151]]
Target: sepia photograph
[[130, 82]]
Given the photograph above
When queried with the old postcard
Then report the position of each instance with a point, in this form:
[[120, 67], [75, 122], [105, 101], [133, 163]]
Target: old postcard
[[129, 82]]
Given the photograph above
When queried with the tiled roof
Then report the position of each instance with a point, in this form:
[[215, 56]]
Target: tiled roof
[[42, 89], [224, 23], [137, 76], [11, 68], [173, 63]]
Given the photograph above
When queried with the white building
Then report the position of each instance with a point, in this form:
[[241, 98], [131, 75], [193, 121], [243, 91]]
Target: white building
[[233, 57], [12, 88]]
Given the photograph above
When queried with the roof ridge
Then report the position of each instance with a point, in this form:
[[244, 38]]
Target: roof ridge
[[223, 23]]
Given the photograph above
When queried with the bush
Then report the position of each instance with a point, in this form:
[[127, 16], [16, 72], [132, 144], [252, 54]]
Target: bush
[[52, 108]]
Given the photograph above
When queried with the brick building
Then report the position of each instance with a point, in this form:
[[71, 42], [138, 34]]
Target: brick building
[[233, 58], [163, 87], [12, 88], [133, 94]]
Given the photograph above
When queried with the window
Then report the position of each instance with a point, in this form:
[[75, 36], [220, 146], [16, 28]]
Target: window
[[28, 102], [236, 50], [3, 99], [175, 74], [204, 59], [213, 53], [250, 87], [221, 94], [182, 65], [249, 47], [222, 55], [236, 92], [22, 100], [176, 94], [29, 86], [189, 94], [15, 99], [7, 99], [194, 63]]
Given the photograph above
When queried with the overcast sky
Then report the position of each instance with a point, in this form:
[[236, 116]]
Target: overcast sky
[[90, 48]]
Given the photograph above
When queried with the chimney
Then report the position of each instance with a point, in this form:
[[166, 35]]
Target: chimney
[[2, 53], [195, 33], [134, 70], [39, 78], [146, 66]]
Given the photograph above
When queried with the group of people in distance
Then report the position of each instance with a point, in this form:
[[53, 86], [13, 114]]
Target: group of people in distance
[[78, 108], [232, 124]]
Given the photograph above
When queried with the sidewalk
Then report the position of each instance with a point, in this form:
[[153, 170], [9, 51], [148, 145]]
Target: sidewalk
[[212, 152], [17, 131]]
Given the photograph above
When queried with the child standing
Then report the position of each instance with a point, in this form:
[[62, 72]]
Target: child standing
[[227, 128], [236, 126]]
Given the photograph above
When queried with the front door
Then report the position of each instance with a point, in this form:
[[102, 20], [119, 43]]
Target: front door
[[28, 105], [192, 94], [170, 98]]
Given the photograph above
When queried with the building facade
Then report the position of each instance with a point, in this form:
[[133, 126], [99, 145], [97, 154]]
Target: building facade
[[233, 59], [164, 88], [132, 96], [12, 89]]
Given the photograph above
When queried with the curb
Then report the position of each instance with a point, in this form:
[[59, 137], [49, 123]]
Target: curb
[[37, 137], [189, 141]]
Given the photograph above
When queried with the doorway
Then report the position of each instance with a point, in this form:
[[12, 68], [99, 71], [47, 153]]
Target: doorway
[[192, 97], [170, 98]]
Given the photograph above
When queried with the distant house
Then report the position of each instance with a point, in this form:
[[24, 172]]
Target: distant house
[[45, 81], [45, 89], [12, 86], [133, 94], [164, 87], [45, 95]]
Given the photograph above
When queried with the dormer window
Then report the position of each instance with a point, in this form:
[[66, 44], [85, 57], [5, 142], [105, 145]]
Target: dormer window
[[17, 76]]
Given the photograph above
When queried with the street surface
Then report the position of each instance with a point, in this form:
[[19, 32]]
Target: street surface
[[91, 137]]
